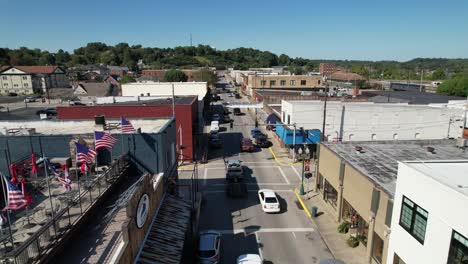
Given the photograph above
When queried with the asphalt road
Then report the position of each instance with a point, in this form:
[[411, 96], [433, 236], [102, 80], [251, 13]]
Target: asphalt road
[[286, 237]]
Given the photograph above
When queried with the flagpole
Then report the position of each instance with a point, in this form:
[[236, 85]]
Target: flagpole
[[48, 185], [78, 179], [8, 211]]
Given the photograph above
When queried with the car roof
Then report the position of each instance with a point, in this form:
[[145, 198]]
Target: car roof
[[246, 140], [268, 193], [249, 258], [207, 240]]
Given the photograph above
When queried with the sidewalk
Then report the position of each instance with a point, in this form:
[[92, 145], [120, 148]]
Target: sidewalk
[[327, 226]]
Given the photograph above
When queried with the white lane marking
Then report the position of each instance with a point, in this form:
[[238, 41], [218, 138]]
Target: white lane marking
[[284, 175], [205, 174], [209, 192], [294, 235], [259, 247], [297, 173], [248, 231]]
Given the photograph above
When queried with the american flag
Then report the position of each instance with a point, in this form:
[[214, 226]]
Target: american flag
[[126, 126], [58, 175], [103, 140], [16, 199], [84, 154]]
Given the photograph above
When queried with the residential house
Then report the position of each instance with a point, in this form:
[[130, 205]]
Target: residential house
[[118, 70]]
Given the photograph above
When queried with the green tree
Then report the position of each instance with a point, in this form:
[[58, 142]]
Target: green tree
[[205, 76], [456, 86], [47, 59], [62, 57], [296, 70], [284, 60], [108, 57], [175, 76], [438, 74], [126, 79]]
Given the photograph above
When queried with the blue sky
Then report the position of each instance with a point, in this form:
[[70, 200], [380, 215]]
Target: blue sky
[[357, 29]]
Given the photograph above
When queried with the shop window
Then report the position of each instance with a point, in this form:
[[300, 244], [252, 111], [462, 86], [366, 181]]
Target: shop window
[[377, 248], [458, 252], [284, 117], [330, 194], [413, 219], [289, 119]]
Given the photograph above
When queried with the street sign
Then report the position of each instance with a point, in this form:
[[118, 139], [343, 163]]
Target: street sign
[[307, 165]]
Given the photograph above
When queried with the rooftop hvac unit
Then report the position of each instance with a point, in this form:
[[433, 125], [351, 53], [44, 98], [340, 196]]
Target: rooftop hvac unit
[[461, 142]]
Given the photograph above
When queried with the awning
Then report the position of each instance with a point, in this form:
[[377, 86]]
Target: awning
[[166, 237]]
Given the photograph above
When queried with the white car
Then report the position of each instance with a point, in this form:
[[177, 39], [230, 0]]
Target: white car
[[214, 128], [249, 259], [269, 201]]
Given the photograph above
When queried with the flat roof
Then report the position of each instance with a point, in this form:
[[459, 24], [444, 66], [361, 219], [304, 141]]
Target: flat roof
[[72, 127], [452, 174], [413, 97], [378, 160], [185, 100]]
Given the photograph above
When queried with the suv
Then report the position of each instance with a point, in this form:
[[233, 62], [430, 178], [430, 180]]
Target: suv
[[262, 141], [209, 247]]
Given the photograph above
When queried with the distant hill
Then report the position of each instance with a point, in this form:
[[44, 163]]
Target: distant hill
[[239, 58]]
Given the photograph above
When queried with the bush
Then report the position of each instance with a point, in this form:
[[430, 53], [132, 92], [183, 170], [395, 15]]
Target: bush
[[352, 242], [343, 227]]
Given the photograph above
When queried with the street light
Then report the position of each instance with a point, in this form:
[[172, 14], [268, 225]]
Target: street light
[[303, 155]]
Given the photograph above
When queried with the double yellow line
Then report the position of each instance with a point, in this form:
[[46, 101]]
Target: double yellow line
[[303, 204]]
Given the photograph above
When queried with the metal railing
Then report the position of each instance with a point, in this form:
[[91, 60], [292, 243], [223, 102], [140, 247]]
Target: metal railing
[[49, 235]]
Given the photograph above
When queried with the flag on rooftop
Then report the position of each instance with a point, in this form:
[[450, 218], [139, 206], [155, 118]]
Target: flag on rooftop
[[16, 199], [84, 154], [103, 140], [126, 126]]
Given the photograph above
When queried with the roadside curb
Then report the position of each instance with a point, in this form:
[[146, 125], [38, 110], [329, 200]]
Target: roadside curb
[[303, 204]]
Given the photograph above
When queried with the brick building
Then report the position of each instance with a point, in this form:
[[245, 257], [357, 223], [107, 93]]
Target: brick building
[[186, 111]]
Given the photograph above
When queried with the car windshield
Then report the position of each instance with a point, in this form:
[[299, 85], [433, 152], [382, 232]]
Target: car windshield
[[207, 253], [271, 200]]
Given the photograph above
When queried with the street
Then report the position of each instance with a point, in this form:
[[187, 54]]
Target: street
[[285, 237]]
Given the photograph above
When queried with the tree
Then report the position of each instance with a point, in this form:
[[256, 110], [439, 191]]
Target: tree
[[438, 74], [175, 76], [126, 79], [62, 57], [456, 86], [284, 60], [47, 59], [296, 70]]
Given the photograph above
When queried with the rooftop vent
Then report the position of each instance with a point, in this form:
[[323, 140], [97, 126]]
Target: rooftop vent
[[359, 149], [430, 150]]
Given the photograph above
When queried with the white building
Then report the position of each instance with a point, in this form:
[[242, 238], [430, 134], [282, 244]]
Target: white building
[[356, 121], [430, 216], [159, 89]]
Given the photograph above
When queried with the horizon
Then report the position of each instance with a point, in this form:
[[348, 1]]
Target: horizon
[[363, 30]]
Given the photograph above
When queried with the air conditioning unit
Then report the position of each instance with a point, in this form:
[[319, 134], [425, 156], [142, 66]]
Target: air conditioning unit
[[461, 142]]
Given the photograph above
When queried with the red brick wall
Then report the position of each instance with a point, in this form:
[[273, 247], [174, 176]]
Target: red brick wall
[[185, 117]]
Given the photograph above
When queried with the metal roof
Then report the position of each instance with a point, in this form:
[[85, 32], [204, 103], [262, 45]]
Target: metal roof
[[378, 160], [166, 237]]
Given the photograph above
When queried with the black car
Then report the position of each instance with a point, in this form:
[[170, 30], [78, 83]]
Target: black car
[[48, 111], [12, 94], [261, 141], [237, 111]]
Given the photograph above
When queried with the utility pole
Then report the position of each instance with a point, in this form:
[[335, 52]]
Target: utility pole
[[464, 118], [420, 84], [324, 112], [173, 102]]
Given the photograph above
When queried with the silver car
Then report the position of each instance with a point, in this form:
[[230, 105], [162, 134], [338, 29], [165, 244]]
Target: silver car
[[209, 247]]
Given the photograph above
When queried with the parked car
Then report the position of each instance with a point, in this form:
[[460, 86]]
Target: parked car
[[262, 141], [247, 145], [30, 99], [48, 111], [76, 103], [249, 259], [12, 94], [238, 96], [237, 111], [209, 247], [269, 201], [255, 132], [215, 117]]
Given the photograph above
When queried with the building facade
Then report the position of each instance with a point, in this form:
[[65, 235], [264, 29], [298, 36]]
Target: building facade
[[185, 111], [284, 82], [361, 121], [32, 79], [327, 68], [357, 182], [430, 226]]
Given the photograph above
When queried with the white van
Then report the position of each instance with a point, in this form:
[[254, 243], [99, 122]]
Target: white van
[[214, 127]]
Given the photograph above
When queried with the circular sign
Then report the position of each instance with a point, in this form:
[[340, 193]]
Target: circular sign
[[142, 210]]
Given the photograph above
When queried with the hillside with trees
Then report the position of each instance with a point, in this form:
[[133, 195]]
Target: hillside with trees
[[240, 58]]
